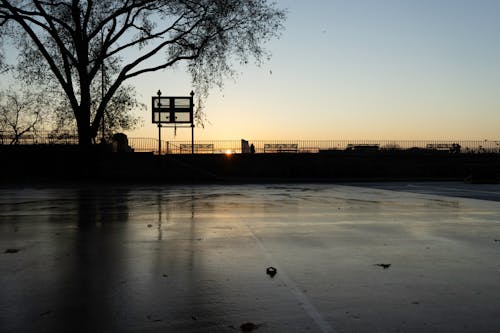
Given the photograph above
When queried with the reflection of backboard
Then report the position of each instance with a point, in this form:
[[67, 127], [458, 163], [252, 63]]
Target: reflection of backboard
[[172, 110]]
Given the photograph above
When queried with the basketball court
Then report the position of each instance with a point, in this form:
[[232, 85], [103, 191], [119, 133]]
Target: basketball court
[[395, 257]]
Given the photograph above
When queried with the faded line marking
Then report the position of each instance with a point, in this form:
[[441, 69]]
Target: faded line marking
[[309, 308], [451, 189]]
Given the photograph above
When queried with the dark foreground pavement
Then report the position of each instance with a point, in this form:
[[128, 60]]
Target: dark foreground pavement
[[396, 257]]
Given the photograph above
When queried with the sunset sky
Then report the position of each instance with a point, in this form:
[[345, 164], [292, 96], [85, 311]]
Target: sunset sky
[[358, 69], [363, 69]]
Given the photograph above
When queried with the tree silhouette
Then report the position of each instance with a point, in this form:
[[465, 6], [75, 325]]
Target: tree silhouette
[[76, 38], [119, 115], [3, 66], [19, 114]]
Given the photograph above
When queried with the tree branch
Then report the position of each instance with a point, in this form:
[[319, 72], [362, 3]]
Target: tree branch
[[87, 16], [144, 39], [65, 53], [41, 47]]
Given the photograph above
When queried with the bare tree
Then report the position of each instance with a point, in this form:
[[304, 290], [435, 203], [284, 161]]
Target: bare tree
[[19, 114], [75, 38]]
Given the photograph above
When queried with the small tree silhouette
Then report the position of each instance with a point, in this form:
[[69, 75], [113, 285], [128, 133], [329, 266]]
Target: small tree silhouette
[[19, 114]]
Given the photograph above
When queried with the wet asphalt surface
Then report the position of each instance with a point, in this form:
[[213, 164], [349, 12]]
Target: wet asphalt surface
[[393, 257]]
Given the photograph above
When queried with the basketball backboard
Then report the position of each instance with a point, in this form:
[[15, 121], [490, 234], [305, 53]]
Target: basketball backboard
[[172, 110]]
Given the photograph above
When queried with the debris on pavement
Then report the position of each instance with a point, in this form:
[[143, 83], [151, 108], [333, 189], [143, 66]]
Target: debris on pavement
[[248, 327], [271, 271]]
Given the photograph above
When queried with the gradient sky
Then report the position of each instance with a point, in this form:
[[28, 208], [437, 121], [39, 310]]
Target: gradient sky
[[359, 69], [362, 69]]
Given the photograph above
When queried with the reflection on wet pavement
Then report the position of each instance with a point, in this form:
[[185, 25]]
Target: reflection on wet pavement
[[195, 259]]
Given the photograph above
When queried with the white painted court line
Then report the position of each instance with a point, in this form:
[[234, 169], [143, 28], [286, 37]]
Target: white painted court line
[[308, 307], [449, 190]]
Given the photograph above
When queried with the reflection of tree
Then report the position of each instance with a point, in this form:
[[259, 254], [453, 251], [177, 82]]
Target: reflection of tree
[[101, 214], [104, 207]]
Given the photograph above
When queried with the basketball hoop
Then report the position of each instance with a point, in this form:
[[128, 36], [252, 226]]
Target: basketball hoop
[[173, 112]]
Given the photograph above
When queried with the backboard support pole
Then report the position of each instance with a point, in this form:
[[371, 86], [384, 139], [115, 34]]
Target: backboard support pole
[[159, 139], [192, 138], [173, 111]]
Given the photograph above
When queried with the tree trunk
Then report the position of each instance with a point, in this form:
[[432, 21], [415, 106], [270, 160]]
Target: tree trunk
[[84, 136], [83, 124]]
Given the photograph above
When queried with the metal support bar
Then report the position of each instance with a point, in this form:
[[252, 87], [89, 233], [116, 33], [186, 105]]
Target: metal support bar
[[192, 138], [159, 139]]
